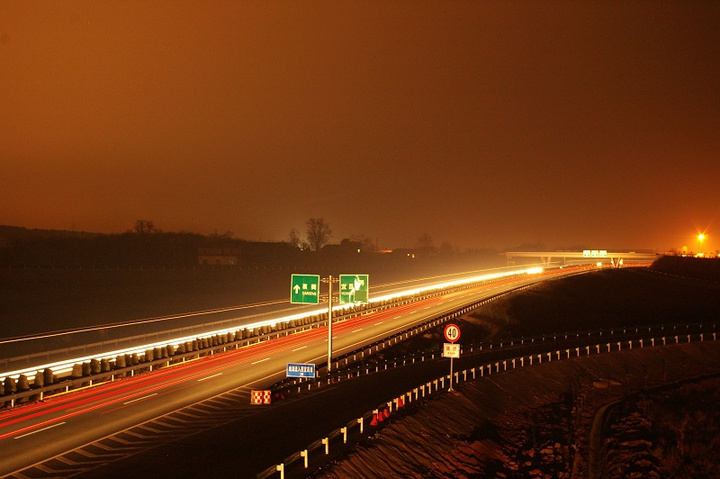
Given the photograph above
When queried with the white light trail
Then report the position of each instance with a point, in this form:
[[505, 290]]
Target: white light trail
[[65, 366]]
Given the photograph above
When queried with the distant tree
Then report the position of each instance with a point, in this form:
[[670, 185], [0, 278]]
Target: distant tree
[[446, 248], [366, 244], [425, 244], [294, 238], [537, 247], [226, 235], [318, 233], [145, 227]]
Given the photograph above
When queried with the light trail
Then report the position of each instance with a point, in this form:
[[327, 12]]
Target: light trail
[[165, 382], [65, 366]]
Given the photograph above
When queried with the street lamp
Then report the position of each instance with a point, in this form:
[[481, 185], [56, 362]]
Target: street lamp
[[701, 237]]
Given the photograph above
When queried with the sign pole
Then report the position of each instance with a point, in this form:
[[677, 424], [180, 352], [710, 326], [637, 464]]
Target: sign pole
[[329, 366], [452, 334], [451, 373]]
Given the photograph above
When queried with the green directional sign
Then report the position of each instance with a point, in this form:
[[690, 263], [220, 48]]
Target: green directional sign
[[353, 288], [305, 289]]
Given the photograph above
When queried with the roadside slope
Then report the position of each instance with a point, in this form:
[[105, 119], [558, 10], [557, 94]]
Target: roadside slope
[[530, 422]]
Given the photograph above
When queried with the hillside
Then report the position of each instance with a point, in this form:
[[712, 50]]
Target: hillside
[[640, 413], [538, 422]]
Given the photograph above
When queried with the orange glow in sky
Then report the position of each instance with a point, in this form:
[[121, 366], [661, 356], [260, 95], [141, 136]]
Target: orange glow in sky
[[483, 124]]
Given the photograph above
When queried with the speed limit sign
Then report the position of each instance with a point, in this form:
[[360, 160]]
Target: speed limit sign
[[452, 333]]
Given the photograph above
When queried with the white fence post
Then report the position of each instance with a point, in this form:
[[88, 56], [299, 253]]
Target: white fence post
[[304, 455]]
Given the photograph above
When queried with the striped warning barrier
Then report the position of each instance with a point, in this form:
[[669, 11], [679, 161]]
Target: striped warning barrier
[[261, 396]]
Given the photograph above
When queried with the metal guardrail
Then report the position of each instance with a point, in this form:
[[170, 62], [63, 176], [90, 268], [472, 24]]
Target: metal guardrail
[[670, 334], [68, 383], [96, 344], [110, 372], [378, 415]]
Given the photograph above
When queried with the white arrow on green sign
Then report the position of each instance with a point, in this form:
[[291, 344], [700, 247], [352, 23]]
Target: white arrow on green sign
[[305, 289], [353, 288]]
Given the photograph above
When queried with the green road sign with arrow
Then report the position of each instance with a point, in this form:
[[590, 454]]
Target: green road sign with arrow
[[305, 289], [353, 288]]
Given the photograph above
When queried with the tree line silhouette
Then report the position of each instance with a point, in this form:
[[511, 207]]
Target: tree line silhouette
[[146, 246]]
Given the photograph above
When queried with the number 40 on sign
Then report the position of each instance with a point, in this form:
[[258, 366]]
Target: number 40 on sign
[[452, 333]]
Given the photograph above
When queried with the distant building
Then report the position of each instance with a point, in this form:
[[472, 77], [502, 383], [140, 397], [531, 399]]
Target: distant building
[[227, 256], [345, 246]]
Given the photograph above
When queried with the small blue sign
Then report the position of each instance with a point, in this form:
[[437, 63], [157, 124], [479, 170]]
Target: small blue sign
[[300, 370]]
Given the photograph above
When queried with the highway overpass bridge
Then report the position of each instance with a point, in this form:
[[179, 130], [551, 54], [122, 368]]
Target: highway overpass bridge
[[597, 256]]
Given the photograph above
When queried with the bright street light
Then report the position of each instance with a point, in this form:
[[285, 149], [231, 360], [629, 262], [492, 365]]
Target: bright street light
[[701, 237]]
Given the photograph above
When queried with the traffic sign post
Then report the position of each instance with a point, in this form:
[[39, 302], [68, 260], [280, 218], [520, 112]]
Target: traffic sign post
[[305, 289], [353, 288], [329, 281], [452, 350]]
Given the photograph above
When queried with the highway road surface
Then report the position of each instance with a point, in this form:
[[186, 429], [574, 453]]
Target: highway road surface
[[32, 433]]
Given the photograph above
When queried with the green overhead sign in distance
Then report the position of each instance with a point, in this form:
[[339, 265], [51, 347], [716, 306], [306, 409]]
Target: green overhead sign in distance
[[353, 288], [305, 289]]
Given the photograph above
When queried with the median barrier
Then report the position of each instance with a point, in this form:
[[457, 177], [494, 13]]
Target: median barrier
[[209, 339], [164, 356]]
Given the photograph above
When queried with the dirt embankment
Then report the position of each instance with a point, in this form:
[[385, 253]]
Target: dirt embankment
[[537, 422], [633, 413]]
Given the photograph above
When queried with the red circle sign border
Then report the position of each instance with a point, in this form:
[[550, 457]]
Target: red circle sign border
[[445, 332]]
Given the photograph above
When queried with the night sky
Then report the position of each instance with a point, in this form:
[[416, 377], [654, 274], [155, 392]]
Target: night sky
[[589, 124]]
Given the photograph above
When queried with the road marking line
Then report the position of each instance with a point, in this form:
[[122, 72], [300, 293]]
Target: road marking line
[[378, 323], [256, 362], [39, 430], [356, 330], [298, 349], [397, 317], [209, 377], [140, 399]]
